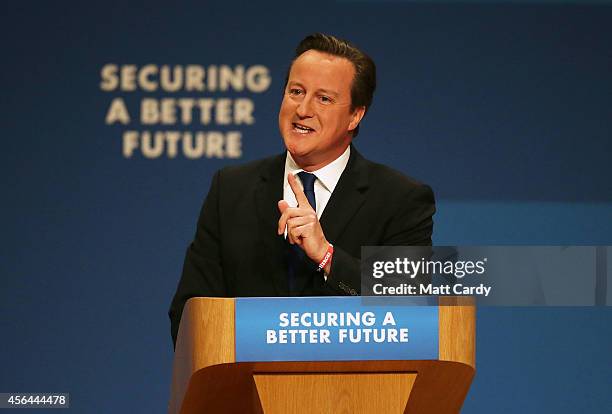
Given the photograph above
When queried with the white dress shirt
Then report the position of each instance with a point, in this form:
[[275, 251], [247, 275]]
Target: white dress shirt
[[327, 179]]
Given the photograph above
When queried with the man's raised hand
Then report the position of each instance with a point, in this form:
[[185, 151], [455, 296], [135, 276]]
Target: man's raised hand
[[303, 227]]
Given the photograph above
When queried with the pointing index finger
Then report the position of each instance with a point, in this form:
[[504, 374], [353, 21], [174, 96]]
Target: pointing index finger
[[297, 190]]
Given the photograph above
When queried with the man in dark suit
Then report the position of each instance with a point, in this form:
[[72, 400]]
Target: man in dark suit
[[294, 224]]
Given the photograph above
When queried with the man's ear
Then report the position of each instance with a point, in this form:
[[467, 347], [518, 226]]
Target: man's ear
[[357, 115]]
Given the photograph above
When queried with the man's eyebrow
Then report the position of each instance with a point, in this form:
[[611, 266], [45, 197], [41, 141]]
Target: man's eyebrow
[[328, 92]]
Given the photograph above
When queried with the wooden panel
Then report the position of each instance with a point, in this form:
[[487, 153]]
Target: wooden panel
[[440, 386], [205, 338], [212, 332], [458, 330], [334, 393], [223, 388]]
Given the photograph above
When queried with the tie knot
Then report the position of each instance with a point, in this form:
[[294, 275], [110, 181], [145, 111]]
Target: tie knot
[[308, 180]]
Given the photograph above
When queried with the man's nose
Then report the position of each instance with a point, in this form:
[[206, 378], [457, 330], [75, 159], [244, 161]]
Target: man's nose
[[305, 109]]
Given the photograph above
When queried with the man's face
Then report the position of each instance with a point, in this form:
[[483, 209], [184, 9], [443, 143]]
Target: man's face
[[315, 117]]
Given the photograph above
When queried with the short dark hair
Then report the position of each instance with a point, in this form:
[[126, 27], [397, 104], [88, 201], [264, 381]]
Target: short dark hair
[[364, 82]]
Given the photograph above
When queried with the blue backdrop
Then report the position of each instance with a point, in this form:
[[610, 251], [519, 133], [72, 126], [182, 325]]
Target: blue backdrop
[[503, 107]]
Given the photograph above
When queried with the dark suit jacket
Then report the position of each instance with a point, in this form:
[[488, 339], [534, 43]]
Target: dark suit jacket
[[237, 252]]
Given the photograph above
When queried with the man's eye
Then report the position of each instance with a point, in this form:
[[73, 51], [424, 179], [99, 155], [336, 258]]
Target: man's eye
[[325, 99], [295, 92]]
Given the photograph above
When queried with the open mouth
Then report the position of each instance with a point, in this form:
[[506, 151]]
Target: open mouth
[[302, 129]]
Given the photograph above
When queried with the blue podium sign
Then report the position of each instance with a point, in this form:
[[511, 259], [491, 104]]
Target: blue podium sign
[[335, 329]]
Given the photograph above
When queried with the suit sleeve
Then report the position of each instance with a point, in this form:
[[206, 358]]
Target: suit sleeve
[[202, 271], [411, 224]]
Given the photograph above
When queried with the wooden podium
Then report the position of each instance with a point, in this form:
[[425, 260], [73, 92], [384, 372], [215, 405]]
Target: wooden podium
[[207, 379]]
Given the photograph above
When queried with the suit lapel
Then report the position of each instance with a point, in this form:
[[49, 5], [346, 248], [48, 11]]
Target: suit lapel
[[347, 198], [269, 191]]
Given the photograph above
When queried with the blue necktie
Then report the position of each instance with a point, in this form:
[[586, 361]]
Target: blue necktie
[[308, 181], [296, 254]]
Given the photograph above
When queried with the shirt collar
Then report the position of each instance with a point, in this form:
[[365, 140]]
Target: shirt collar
[[328, 176]]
